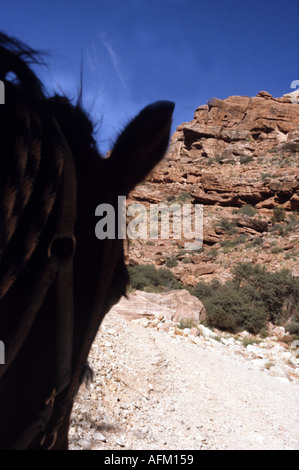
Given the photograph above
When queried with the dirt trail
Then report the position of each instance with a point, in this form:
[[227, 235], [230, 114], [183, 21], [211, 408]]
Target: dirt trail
[[153, 391]]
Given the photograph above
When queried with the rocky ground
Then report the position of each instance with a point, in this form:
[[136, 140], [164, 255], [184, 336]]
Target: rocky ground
[[164, 388]]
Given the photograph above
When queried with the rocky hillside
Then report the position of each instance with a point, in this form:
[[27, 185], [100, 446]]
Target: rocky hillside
[[239, 158]]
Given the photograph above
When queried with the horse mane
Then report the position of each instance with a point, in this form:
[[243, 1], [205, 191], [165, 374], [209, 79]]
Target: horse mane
[[15, 59], [19, 79]]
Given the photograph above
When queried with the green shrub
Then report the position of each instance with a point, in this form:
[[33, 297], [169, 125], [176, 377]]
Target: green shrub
[[247, 209], [248, 341], [212, 253], [263, 333], [252, 298], [184, 197], [219, 158], [187, 323], [292, 254], [276, 249], [265, 175], [236, 241], [147, 277], [240, 239], [278, 292], [245, 159], [291, 224], [171, 263], [293, 328], [257, 241], [232, 310], [201, 290], [279, 214], [197, 252], [227, 226]]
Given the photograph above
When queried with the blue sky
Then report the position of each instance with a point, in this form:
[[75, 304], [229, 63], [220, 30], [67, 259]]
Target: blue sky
[[138, 51]]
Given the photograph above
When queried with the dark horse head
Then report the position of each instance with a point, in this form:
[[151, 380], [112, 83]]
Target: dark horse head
[[57, 279]]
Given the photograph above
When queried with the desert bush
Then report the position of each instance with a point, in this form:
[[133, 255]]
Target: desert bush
[[147, 277], [171, 263], [292, 254], [265, 176], [171, 198], [247, 209], [213, 253], [278, 292], [236, 241], [276, 249], [279, 214], [184, 197], [293, 328], [257, 241], [187, 323], [245, 159], [203, 290], [227, 226], [252, 298], [249, 341], [290, 224], [293, 222], [232, 310]]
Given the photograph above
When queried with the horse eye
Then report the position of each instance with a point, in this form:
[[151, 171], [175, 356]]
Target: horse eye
[[62, 248]]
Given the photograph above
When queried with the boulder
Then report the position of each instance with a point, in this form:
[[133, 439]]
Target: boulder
[[205, 268], [176, 305]]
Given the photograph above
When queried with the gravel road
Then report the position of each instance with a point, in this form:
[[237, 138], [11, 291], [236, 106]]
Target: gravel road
[[154, 391]]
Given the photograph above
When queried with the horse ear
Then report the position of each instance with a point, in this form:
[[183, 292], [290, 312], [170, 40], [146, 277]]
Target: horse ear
[[141, 145]]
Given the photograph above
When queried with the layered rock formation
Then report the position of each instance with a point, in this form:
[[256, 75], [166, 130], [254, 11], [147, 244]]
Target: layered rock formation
[[239, 157], [228, 135]]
